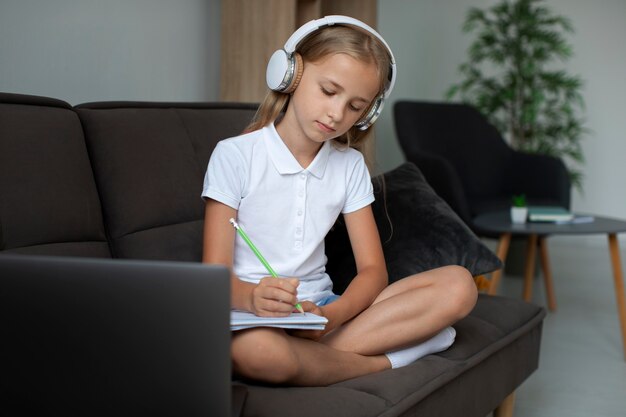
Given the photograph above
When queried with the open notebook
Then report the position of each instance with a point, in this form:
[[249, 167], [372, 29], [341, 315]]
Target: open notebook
[[240, 320]]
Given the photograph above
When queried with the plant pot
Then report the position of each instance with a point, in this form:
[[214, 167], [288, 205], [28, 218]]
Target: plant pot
[[519, 215]]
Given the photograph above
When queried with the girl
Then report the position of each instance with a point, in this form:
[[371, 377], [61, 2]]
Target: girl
[[286, 181]]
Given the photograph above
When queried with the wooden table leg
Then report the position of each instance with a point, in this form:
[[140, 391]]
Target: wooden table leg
[[506, 408], [501, 252], [529, 268], [618, 278], [547, 272]]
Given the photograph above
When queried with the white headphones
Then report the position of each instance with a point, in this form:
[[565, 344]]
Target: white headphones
[[285, 67]]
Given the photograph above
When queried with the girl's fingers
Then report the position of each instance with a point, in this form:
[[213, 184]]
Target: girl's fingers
[[277, 294], [287, 284], [279, 289], [270, 308], [274, 297], [310, 307]]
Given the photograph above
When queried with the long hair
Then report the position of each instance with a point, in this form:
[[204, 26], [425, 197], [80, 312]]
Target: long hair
[[349, 40]]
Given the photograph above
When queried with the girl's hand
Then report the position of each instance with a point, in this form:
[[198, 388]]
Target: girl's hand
[[274, 297], [310, 307]]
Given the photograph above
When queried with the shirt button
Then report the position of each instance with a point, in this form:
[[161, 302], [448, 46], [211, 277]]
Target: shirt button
[[298, 244], [299, 212], [303, 176]]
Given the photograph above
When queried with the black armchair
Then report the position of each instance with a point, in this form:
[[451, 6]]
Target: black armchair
[[467, 162]]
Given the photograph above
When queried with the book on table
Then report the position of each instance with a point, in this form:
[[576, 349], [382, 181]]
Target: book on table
[[240, 320], [549, 214]]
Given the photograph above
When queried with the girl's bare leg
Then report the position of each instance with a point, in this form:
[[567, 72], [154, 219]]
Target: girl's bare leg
[[405, 313], [408, 311], [271, 355]]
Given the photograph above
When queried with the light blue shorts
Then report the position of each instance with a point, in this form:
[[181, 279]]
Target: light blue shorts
[[327, 300]]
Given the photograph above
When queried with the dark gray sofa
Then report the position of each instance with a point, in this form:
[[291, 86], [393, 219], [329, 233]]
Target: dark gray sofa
[[123, 180]]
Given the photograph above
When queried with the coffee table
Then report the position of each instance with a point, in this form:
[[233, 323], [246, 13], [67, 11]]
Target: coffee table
[[500, 223]]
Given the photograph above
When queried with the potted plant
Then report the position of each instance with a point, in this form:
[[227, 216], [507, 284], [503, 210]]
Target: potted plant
[[519, 209], [511, 77]]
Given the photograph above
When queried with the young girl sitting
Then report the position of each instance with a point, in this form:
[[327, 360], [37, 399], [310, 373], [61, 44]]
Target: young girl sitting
[[286, 180]]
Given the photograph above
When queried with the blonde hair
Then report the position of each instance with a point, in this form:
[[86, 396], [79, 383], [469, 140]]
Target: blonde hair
[[335, 39]]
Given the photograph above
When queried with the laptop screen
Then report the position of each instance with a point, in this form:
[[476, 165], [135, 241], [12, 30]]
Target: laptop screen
[[88, 337]]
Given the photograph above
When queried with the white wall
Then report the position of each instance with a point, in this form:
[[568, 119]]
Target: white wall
[[429, 45], [93, 50]]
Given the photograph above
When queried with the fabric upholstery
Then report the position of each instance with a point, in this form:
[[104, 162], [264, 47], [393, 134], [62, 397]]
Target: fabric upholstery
[[461, 381], [48, 196], [467, 141], [485, 172], [129, 175], [149, 161], [418, 230]]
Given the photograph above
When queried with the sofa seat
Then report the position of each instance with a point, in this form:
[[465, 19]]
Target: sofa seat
[[466, 380]]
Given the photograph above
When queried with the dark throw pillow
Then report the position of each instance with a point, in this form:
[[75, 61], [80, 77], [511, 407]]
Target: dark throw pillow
[[418, 229]]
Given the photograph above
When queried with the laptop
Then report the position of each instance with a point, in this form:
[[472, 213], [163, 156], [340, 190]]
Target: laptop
[[90, 337]]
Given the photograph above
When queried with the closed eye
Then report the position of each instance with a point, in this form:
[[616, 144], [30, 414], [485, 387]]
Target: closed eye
[[327, 92], [331, 93], [355, 108]]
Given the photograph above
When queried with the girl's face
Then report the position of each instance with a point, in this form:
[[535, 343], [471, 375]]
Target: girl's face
[[332, 96]]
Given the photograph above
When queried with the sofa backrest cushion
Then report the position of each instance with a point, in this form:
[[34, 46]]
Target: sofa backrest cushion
[[149, 161], [49, 204]]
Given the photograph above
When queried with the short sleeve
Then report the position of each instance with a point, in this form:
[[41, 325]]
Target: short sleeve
[[359, 192], [224, 178]]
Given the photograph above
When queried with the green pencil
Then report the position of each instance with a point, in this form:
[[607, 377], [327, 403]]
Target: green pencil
[[266, 264]]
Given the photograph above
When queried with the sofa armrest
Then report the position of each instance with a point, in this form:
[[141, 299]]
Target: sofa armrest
[[540, 177], [444, 179]]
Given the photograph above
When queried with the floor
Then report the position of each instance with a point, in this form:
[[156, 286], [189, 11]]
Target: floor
[[582, 369]]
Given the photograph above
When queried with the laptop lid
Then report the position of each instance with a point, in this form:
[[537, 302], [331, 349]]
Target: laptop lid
[[88, 337]]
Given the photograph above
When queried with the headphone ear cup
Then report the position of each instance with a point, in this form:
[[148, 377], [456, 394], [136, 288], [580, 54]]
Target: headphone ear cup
[[277, 70], [298, 68], [372, 114], [283, 71]]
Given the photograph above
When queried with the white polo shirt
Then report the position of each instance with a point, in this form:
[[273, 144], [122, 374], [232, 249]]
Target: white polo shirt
[[286, 210]]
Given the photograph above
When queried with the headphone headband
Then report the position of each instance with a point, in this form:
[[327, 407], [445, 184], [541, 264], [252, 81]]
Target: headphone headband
[[314, 25]]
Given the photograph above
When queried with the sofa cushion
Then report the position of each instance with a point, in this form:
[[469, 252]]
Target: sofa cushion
[[470, 372], [149, 161], [431, 236], [49, 204]]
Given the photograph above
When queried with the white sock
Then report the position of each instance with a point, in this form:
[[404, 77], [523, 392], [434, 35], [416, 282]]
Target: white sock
[[438, 343]]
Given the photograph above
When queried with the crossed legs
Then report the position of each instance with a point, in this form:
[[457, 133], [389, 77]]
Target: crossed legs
[[405, 313]]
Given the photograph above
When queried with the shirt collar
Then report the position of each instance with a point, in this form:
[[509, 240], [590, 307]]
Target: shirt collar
[[285, 162]]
